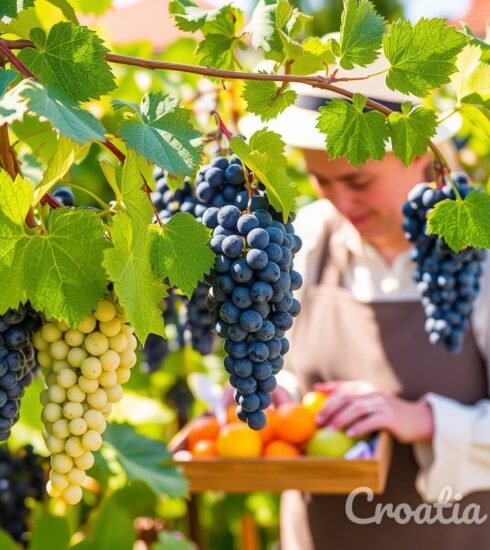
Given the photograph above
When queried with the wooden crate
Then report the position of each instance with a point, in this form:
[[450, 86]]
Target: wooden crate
[[305, 473]]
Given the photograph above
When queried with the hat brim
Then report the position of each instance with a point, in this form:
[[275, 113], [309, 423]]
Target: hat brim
[[297, 128]]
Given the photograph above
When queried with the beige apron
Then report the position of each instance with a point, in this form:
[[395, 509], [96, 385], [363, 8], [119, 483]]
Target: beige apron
[[338, 337]]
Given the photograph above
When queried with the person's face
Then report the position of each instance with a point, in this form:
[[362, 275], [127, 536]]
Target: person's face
[[370, 196]]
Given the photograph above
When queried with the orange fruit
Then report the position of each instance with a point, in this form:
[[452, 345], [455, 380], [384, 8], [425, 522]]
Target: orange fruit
[[205, 427], [238, 440], [314, 401], [268, 433], [205, 448], [294, 423], [279, 448]]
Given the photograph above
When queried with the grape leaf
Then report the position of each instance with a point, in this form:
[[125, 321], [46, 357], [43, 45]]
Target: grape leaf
[[145, 459], [51, 532], [484, 44], [163, 134], [422, 56], [180, 252], [47, 103], [265, 99], [462, 223], [361, 33], [6, 77], [134, 199], [410, 131], [188, 16], [128, 266], [216, 50], [476, 111], [15, 200], [9, 9], [219, 27], [264, 155], [352, 133], [112, 527], [266, 22], [473, 76], [66, 154], [320, 48], [67, 278], [73, 52]]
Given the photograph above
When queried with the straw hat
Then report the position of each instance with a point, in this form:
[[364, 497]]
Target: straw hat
[[297, 124]]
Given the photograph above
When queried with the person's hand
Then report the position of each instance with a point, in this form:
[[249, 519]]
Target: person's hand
[[359, 409]]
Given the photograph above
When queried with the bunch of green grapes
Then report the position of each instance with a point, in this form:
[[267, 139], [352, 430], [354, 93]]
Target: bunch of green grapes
[[85, 370]]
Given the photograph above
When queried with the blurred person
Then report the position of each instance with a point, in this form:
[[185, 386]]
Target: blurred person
[[360, 338]]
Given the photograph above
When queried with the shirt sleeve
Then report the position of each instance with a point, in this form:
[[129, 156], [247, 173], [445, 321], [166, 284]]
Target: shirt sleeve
[[459, 455]]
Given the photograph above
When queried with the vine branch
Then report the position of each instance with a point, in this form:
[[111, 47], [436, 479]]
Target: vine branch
[[316, 81]]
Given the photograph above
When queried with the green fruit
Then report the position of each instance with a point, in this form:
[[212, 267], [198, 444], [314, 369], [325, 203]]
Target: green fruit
[[327, 442]]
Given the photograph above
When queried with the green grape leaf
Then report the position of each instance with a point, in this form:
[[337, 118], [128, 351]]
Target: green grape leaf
[[352, 133], [267, 20], [135, 201], [112, 527], [9, 9], [7, 542], [462, 223], [128, 266], [264, 155], [163, 134], [320, 48], [6, 77], [422, 56], [51, 532], [145, 459], [188, 17], [216, 50], [172, 541], [15, 201], [67, 278], [265, 99], [74, 52], [47, 103], [65, 155], [361, 33], [411, 130], [180, 252], [476, 111], [473, 76], [477, 41]]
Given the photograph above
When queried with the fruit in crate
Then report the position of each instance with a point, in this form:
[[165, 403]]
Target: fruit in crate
[[238, 440], [314, 401], [328, 442]]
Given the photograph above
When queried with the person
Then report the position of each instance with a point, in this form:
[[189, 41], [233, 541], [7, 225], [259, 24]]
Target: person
[[360, 338]]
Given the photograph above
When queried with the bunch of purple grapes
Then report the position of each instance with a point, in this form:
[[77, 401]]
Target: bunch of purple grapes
[[252, 298], [17, 363], [21, 478], [448, 281]]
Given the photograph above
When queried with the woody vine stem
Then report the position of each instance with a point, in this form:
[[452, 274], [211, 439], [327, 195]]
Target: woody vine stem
[[316, 81]]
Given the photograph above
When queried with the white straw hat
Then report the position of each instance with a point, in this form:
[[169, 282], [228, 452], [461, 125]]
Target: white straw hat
[[297, 124]]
